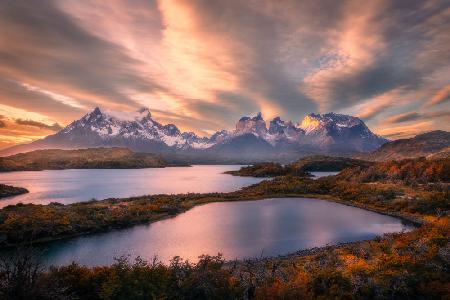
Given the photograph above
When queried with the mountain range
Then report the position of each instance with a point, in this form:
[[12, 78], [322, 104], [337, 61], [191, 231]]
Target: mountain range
[[253, 139]]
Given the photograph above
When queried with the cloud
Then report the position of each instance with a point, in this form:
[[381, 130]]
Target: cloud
[[2, 124], [414, 116], [378, 104], [405, 117], [53, 127], [441, 96], [203, 64], [47, 48], [405, 131], [55, 96]]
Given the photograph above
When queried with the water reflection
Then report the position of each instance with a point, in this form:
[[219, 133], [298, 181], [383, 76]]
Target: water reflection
[[236, 229], [323, 174]]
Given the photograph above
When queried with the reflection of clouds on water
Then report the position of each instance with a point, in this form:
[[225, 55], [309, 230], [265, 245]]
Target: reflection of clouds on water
[[236, 229], [69, 186], [322, 174]]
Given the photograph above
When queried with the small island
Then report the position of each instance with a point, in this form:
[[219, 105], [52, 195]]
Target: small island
[[9, 191], [91, 158]]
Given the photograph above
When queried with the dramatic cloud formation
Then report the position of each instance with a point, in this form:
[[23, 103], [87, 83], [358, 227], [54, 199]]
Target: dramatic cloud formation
[[53, 127], [203, 64]]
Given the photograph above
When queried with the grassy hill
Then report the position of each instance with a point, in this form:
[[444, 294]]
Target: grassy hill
[[427, 144], [93, 158]]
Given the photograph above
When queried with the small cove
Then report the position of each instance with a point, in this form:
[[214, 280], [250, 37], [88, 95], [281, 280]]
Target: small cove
[[239, 230]]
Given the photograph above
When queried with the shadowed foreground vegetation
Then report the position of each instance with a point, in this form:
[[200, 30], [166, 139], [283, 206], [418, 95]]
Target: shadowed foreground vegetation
[[413, 265], [93, 158]]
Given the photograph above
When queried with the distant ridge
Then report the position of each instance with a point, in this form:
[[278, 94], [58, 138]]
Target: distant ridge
[[252, 139], [433, 144], [93, 158]]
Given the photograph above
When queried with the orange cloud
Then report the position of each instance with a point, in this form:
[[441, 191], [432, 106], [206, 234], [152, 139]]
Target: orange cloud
[[441, 96]]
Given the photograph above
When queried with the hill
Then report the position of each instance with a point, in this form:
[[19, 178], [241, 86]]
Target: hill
[[407, 171], [301, 167], [427, 144], [93, 158]]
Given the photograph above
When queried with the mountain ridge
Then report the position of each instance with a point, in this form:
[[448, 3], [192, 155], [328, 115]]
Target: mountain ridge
[[433, 144]]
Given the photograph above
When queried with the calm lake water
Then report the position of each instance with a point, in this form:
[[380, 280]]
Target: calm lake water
[[69, 186], [236, 229]]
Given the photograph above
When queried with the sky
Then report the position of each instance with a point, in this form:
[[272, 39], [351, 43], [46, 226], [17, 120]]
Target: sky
[[203, 64]]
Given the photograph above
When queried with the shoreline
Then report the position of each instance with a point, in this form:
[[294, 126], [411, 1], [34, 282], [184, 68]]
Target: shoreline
[[413, 220]]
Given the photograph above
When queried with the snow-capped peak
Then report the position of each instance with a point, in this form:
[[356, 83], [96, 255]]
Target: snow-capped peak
[[138, 129], [110, 125], [314, 122]]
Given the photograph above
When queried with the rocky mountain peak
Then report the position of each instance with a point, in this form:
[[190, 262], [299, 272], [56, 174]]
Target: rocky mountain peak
[[144, 114], [96, 111], [254, 124]]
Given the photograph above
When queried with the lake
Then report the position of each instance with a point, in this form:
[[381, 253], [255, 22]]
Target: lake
[[69, 186], [78, 185], [237, 229]]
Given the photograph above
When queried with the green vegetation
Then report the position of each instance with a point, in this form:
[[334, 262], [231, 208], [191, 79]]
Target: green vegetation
[[8, 190], [413, 265], [301, 167], [93, 158]]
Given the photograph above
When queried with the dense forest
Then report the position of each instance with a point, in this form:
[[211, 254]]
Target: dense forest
[[93, 158], [412, 265]]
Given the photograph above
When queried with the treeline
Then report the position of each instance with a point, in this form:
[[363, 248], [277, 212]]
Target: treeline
[[412, 265]]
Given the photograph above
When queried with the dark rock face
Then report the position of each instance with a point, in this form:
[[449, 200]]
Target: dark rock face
[[317, 133], [248, 125]]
